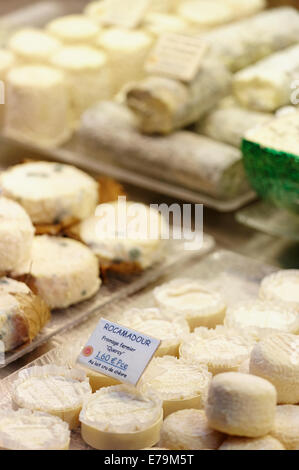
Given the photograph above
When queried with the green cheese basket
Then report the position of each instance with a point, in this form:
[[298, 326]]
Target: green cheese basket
[[274, 175]]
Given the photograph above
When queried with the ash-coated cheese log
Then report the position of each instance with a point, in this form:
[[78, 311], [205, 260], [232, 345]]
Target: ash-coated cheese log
[[16, 238], [230, 124], [32, 430], [65, 271], [241, 405], [266, 85], [22, 314], [183, 157], [87, 77], [52, 389], [51, 193], [126, 51], [245, 443], [31, 45], [189, 430], [37, 105], [164, 104], [74, 30], [286, 426], [121, 418], [245, 42], [276, 358]]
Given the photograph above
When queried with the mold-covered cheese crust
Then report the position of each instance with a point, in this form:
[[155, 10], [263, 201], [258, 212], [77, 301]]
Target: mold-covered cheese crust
[[16, 237], [51, 192], [65, 271]]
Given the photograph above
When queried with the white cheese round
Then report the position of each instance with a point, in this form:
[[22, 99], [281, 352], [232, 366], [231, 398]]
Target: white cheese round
[[32, 430], [241, 405], [221, 350], [152, 322], [245, 443], [65, 271], [282, 286], [55, 390], [177, 384], [189, 430], [127, 51], [87, 75], [33, 45], [124, 232], [120, 417], [16, 238], [191, 300], [96, 10], [37, 105], [286, 426], [74, 29], [159, 23], [51, 193], [205, 14], [261, 317]]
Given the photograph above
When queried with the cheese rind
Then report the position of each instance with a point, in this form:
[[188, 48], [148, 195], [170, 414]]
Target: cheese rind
[[51, 192], [74, 29], [136, 424], [33, 45], [65, 271], [192, 301], [282, 286], [241, 405], [286, 426], [276, 358], [16, 238], [266, 85], [87, 77], [177, 384], [152, 322], [259, 443], [32, 430], [55, 390], [221, 350], [189, 430], [37, 105]]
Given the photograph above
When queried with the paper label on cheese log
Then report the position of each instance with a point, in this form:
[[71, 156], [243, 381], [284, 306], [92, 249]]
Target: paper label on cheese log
[[118, 351], [125, 13], [177, 55]]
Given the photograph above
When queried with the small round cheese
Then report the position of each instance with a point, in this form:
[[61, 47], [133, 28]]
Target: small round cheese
[[263, 317], [177, 384], [282, 286], [152, 322], [16, 238], [32, 430], [245, 443], [74, 29], [37, 105], [96, 11], [87, 75], [191, 300], [276, 358], [124, 232], [7, 61], [241, 405], [65, 271], [121, 418], [127, 51], [189, 430], [55, 390], [51, 193], [286, 426], [159, 23], [33, 45], [205, 14], [221, 350]]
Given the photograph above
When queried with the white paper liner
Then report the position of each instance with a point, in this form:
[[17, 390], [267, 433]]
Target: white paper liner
[[134, 423]]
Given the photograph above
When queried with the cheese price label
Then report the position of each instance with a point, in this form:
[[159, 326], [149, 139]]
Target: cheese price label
[[177, 56], [118, 351], [125, 13]]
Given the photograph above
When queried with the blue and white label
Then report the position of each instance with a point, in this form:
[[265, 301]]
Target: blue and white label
[[118, 351]]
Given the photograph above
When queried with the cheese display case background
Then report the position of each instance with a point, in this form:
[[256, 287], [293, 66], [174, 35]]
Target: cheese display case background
[[235, 277]]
